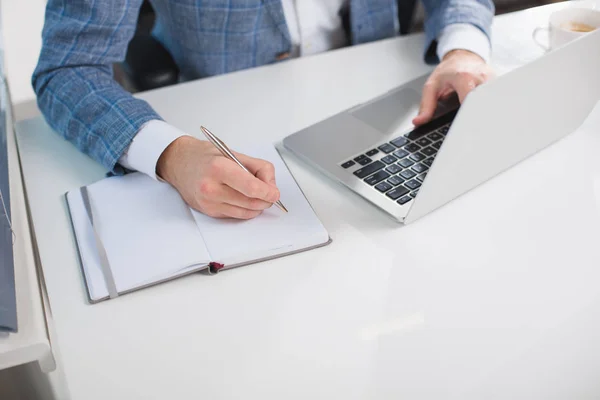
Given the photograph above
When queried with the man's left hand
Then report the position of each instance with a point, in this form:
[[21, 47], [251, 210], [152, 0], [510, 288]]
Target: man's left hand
[[460, 71]]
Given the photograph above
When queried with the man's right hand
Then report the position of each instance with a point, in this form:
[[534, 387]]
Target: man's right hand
[[215, 185]]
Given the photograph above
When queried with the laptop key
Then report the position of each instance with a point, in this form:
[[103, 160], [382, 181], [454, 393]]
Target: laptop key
[[383, 187], [429, 151], [389, 159], [417, 157], [399, 142], [386, 148], [411, 148], [422, 177], [428, 162], [443, 130], [365, 161], [412, 184], [418, 168], [361, 157], [404, 200], [377, 177], [348, 164], [423, 142], [407, 174], [371, 153], [413, 194], [397, 192], [435, 136], [401, 153], [395, 180], [437, 145], [406, 162], [369, 169], [393, 169]]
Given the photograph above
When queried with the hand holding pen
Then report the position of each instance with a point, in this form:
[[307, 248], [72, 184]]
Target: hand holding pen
[[213, 184], [222, 147]]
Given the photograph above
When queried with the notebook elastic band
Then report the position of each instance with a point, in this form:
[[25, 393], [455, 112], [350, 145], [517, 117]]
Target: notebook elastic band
[[104, 264]]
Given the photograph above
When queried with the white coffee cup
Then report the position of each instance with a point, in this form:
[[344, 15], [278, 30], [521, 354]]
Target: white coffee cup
[[567, 25]]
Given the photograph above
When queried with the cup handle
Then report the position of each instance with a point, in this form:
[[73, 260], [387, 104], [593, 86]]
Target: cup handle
[[535, 36]]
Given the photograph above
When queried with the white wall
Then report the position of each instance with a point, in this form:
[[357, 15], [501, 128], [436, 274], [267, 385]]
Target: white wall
[[22, 22]]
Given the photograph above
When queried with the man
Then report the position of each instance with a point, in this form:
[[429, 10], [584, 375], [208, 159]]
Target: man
[[79, 98]]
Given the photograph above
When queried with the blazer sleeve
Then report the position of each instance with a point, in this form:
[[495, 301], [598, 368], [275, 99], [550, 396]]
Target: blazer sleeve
[[73, 79], [441, 13]]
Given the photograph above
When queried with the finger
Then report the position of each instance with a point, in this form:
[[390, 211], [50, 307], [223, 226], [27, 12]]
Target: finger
[[232, 211], [247, 184], [463, 84], [263, 170], [223, 210], [235, 198], [428, 102]]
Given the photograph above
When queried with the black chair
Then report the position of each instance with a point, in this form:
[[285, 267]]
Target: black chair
[[406, 13], [148, 65]]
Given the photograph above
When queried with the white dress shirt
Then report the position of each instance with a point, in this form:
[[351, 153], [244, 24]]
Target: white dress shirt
[[315, 26]]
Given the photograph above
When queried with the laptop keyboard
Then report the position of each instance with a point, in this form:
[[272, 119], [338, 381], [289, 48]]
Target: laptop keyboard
[[397, 169]]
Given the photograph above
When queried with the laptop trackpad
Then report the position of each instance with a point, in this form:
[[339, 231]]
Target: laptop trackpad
[[391, 113]]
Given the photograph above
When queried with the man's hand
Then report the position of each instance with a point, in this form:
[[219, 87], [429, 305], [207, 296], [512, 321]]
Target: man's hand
[[460, 71], [215, 185]]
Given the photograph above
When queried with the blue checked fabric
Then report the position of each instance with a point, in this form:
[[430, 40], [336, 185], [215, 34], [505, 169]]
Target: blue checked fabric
[[82, 39]]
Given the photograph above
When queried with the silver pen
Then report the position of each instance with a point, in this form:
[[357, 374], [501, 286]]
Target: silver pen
[[219, 144]]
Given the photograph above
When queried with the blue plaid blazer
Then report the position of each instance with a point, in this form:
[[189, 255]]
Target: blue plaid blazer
[[82, 39]]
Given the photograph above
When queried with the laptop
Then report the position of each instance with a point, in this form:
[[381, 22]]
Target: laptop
[[374, 150]]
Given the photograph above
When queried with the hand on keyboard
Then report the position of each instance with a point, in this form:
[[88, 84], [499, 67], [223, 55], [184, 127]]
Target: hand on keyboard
[[460, 71]]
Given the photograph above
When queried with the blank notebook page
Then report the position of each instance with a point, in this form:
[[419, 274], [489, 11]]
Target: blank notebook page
[[271, 233], [146, 229]]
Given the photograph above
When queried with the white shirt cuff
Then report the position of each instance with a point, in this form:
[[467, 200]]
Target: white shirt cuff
[[148, 145], [463, 37]]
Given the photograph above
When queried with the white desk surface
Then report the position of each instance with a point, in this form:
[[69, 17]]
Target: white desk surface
[[492, 296]]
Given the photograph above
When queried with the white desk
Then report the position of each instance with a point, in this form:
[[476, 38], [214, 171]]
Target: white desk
[[493, 296]]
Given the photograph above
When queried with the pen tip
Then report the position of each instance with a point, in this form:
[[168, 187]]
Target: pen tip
[[280, 204]]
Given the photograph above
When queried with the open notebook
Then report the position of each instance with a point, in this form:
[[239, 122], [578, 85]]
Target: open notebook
[[145, 234]]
